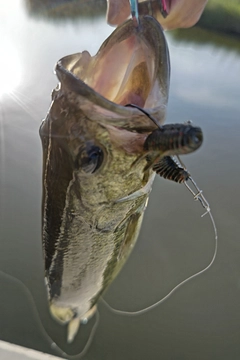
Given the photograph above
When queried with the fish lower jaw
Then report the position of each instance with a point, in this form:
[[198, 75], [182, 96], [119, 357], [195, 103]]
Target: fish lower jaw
[[65, 315]]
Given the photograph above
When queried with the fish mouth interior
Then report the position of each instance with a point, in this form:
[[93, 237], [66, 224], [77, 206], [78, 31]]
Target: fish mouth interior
[[131, 67], [124, 73]]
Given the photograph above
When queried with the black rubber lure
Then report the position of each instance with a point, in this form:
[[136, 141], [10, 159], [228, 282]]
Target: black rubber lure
[[167, 141], [170, 170], [174, 139]]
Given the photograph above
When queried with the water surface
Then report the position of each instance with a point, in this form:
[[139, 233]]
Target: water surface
[[201, 320]]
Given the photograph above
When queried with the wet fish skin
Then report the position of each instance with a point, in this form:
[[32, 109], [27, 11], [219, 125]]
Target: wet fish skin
[[94, 191]]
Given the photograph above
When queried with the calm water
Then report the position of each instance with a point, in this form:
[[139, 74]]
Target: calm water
[[201, 320]]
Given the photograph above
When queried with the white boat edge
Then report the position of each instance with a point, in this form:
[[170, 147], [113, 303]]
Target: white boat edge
[[10, 351]]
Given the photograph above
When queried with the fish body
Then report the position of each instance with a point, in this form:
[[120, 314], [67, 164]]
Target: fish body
[[94, 190]]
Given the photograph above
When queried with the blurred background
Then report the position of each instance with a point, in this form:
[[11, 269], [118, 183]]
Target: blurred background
[[201, 320]]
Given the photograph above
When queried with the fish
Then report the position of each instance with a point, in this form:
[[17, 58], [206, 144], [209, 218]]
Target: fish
[[95, 185]]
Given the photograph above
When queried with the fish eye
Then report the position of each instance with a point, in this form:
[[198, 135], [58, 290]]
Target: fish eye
[[90, 158]]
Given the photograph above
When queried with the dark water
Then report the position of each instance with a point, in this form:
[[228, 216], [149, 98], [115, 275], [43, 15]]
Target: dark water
[[201, 320]]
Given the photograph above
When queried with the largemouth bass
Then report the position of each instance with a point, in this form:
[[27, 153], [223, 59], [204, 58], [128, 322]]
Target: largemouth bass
[[95, 182]]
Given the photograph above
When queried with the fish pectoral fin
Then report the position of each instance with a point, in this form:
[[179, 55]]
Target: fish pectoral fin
[[72, 329]]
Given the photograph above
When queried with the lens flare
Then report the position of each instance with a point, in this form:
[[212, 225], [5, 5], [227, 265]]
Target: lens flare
[[10, 69]]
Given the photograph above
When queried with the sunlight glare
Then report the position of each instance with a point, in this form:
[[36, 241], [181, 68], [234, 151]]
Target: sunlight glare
[[10, 69]]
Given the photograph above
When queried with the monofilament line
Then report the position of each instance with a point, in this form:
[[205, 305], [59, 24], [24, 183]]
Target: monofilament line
[[197, 196], [134, 11]]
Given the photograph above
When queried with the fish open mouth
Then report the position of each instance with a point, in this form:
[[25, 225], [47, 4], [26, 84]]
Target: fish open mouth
[[131, 66], [125, 73]]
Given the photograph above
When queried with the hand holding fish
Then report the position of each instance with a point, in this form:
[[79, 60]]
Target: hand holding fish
[[171, 14]]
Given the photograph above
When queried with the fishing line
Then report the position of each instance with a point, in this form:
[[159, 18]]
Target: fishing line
[[134, 11], [48, 338], [197, 196], [146, 113], [2, 141]]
